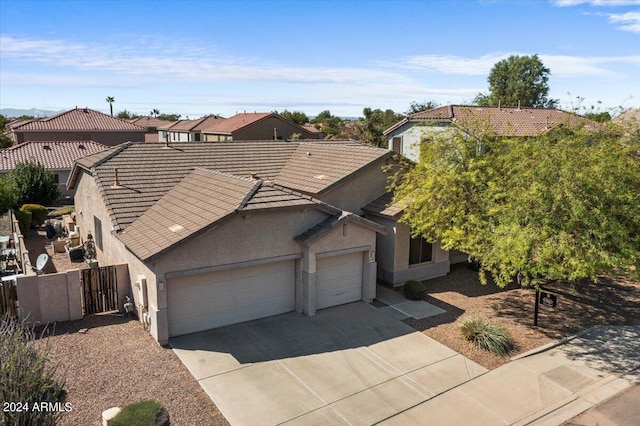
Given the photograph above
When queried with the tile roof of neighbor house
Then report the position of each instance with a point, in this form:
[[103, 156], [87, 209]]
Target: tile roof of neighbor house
[[505, 121], [209, 197], [80, 119], [238, 121], [382, 206], [191, 125], [53, 155], [147, 121], [630, 115], [147, 171]]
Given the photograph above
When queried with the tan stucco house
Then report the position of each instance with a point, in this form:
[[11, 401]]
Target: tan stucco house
[[216, 234], [78, 124]]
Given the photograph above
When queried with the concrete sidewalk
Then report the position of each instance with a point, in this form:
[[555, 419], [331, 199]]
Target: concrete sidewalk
[[548, 386]]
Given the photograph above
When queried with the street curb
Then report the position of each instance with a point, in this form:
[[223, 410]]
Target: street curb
[[552, 345]]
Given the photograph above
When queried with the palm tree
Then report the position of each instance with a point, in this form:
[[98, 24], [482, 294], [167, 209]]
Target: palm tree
[[155, 112], [111, 100]]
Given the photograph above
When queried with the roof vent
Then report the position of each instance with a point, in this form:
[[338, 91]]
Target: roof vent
[[46, 147], [81, 146], [116, 182], [253, 175]]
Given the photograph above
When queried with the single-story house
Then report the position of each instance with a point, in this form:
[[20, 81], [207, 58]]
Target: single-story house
[[405, 136], [243, 126], [56, 156], [185, 130], [221, 233], [151, 126], [78, 124]]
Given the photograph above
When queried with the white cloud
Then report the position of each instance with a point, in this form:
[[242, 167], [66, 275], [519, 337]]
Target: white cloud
[[560, 65], [629, 21], [568, 3]]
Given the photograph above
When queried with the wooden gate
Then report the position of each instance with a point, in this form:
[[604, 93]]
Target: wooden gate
[[99, 290], [8, 298]]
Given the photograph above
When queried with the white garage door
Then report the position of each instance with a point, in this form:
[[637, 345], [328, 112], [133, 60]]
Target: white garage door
[[339, 280], [203, 301]]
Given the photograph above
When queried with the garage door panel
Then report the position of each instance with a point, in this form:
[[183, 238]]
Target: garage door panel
[[339, 280], [203, 301]]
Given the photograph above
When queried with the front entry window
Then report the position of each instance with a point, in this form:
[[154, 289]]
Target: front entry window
[[420, 251]]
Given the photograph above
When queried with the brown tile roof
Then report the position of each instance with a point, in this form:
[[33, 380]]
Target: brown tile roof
[[332, 222], [147, 171], [192, 125], [53, 155], [232, 124], [80, 119], [630, 115], [501, 121], [147, 121], [382, 206], [314, 168], [203, 198]]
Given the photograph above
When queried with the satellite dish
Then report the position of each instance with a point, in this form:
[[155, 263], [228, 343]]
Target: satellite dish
[[41, 262]]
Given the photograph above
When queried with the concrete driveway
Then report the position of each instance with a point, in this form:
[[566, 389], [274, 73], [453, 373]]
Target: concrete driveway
[[352, 364]]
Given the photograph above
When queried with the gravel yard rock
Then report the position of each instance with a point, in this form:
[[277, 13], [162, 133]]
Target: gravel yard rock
[[116, 363]]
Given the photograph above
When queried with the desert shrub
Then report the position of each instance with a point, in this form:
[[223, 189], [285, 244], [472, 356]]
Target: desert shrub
[[141, 413], [24, 220], [487, 335], [38, 213], [27, 377], [414, 290]]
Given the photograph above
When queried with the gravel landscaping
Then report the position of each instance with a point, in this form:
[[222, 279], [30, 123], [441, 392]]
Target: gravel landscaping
[[108, 361], [612, 301]]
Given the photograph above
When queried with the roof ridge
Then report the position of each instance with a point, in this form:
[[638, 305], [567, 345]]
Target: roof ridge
[[118, 150]]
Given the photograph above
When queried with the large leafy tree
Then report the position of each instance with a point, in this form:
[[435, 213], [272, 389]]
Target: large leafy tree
[[563, 205], [370, 128], [415, 107], [34, 184], [518, 80], [8, 194], [328, 124], [297, 117]]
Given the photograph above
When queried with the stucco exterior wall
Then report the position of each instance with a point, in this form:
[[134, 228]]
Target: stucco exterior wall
[[50, 297], [105, 138], [412, 134], [362, 188]]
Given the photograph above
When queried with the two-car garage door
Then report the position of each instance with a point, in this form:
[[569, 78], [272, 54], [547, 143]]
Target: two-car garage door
[[203, 301]]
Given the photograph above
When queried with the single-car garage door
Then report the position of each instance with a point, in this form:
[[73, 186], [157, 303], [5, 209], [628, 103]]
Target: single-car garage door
[[339, 280], [203, 301]]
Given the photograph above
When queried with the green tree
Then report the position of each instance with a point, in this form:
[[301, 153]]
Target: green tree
[[5, 141], [34, 184], [8, 195], [110, 100], [415, 107], [168, 117], [297, 117], [155, 112], [125, 115], [518, 80], [328, 124], [370, 129], [563, 205]]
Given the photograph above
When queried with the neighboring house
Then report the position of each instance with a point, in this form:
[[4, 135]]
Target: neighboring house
[[186, 130], [630, 116], [56, 156], [256, 126], [221, 233], [405, 136], [79, 124], [151, 126]]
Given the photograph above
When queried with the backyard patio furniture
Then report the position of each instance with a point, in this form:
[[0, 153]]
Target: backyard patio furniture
[[76, 254]]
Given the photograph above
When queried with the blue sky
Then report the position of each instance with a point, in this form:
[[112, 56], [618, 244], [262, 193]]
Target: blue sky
[[204, 57]]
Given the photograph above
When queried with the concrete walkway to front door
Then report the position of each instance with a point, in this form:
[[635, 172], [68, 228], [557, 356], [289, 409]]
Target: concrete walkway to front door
[[351, 364]]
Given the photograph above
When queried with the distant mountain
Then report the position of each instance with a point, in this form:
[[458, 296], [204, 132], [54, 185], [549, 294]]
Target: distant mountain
[[13, 112]]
